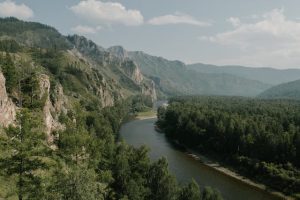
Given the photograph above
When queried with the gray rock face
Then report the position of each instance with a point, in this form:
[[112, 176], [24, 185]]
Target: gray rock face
[[119, 52], [51, 110], [149, 90], [7, 107], [116, 62], [132, 71]]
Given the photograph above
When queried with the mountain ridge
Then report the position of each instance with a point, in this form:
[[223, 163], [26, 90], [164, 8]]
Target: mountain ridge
[[268, 75]]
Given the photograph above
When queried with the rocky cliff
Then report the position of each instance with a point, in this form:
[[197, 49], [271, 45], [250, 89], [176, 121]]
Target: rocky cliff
[[7, 107], [114, 62], [51, 109], [132, 71], [149, 90]]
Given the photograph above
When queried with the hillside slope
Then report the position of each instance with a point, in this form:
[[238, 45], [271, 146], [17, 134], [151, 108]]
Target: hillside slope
[[174, 77], [290, 90]]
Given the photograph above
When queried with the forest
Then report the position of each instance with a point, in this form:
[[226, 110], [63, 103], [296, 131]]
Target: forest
[[258, 138]]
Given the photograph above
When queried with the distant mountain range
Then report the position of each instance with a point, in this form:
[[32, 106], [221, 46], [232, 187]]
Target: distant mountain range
[[266, 75], [175, 78]]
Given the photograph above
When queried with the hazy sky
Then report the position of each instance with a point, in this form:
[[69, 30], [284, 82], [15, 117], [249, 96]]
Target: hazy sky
[[259, 33]]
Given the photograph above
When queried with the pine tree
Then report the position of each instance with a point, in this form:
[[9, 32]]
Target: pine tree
[[190, 192], [26, 145], [10, 72]]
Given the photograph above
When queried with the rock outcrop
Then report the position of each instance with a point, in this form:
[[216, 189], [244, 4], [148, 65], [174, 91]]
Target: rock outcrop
[[7, 107], [149, 90], [105, 96], [52, 109], [119, 52], [132, 71]]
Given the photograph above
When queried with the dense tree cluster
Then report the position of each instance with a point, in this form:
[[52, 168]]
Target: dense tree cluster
[[9, 70], [88, 163], [9, 46], [260, 137], [32, 34]]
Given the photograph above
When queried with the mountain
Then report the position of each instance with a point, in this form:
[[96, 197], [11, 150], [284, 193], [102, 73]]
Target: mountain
[[266, 75], [290, 90], [32, 34], [71, 68], [175, 78]]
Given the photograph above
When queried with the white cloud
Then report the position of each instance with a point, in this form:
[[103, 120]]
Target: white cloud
[[107, 13], [234, 21], [85, 29], [273, 40], [177, 19], [11, 9]]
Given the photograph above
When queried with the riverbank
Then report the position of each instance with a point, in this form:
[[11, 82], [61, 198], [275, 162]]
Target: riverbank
[[219, 167], [215, 165], [151, 114]]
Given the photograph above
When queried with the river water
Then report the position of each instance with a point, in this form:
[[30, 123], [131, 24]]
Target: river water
[[184, 167]]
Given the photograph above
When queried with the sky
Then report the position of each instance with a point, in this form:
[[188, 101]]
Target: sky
[[256, 33]]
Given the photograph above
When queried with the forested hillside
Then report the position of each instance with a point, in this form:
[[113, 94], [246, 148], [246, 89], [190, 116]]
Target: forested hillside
[[62, 102], [258, 138], [290, 90]]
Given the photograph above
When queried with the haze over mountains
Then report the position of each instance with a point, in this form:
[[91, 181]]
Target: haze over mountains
[[177, 78], [290, 90], [266, 75]]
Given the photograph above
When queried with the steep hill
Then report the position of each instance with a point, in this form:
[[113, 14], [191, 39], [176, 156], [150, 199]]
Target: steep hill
[[290, 90], [266, 75], [32, 34], [73, 66]]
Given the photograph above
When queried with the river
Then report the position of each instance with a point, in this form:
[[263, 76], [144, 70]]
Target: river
[[184, 167]]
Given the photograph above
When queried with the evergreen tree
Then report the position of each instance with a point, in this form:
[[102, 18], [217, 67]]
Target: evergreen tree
[[190, 192], [162, 184], [26, 143], [210, 194], [75, 183], [10, 73]]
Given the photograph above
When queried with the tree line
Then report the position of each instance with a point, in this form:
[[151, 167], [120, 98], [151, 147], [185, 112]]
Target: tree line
[[260, 138]]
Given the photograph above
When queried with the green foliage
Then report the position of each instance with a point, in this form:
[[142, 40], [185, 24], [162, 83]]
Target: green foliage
[[32, 34], [290, 90], [163, 185], [10, 72], [26, 145], [190, 192], [210, 194], [10, 46], [50, 59], [258, 137], [31, 92], [141, 103], [76, 183]]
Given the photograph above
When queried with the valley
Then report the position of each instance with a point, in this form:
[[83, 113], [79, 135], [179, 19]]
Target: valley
[[66, 103]]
